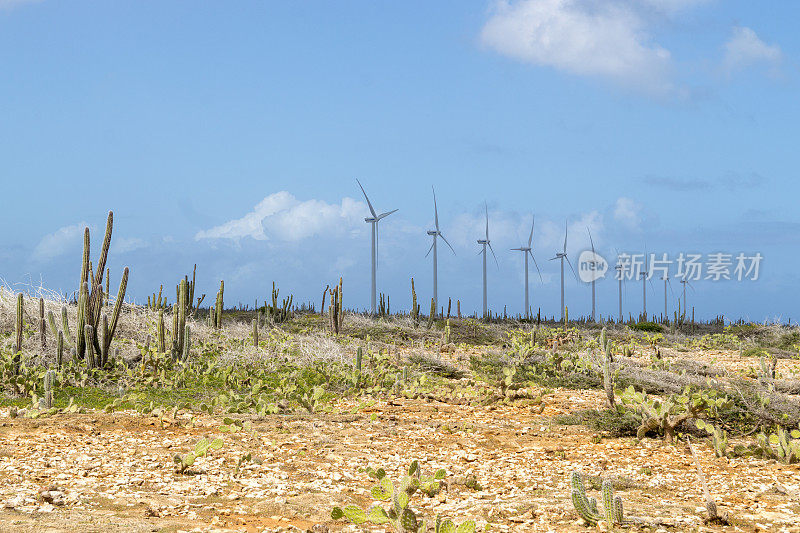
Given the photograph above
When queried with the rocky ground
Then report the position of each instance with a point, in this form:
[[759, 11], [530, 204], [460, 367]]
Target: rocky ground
[[115, 472]]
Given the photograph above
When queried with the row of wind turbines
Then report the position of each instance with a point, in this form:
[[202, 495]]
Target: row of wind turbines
[[486, 243]]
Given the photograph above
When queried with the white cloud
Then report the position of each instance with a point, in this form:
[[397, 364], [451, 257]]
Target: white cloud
[[744, 49], [61, 241], [672, 6], [8, 4], [628, 212], [127, 244], [282, 217], [605, 40]]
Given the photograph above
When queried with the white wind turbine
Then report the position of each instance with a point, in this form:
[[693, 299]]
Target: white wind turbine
[[436, 233], [485, 242], [374, 219], [526, 250], [562, 256], [620, 279], [594, 261]]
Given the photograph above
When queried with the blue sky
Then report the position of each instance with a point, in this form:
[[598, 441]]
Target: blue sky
[[230, 135]]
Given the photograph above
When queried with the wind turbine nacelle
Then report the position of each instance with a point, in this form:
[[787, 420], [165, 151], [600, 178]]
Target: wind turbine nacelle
[[591, 266]]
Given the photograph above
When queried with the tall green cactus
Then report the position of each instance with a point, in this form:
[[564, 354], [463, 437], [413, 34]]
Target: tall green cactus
[[608, 380], [88, 333], [65, 326], [255, 333], [49, 383], [162, 344], [187, 342], [83, 296], [219, 305], [587, 508], [60, 349], [18, 328]]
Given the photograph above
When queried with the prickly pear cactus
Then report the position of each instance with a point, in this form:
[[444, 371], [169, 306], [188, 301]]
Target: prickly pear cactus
[[400, 515]]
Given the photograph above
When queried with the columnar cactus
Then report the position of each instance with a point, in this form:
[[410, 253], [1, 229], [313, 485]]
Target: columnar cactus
[[255, 332], [608, 382], [587, 508], [65, 326], [187, 342], [18, 343], [42, 325], [49, 382], [60, 349], [218, 306], [88, 334], [161, 336]]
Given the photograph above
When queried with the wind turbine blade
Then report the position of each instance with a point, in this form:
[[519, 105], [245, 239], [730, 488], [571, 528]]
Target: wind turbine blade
[[374, 215], [435, 210], [669, 282], [553, 258], [565, 236], [520, 249], [445, 240], [537, 267], [495, 257], [530, 239], [590, 239], [487, 220], [429, 249], [384, 215], [570, 267]]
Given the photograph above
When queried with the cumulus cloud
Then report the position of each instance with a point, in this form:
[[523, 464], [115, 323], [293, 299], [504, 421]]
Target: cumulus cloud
[[123, 245], [282, 217], [8, 4], [745, 49], [607, 40], [61, 241], [628, 212]]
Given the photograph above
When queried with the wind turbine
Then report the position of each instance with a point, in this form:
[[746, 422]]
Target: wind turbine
[[618, 268], [685, 282], [645, 279], [374, 219], [525, 251], [667, 281], [563, 255], [485, 242], [594, 256], [436, 233], [621, 280]]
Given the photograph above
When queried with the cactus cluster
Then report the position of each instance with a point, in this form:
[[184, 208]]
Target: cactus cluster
[[767, 367], [719, 437], [782, 445], [90, 301], [278, 313], [399, 515], [335, 310], [587, 508], [414, 304], [156, 304]]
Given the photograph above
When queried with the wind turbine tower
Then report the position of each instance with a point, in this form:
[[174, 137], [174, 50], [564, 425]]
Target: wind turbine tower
[[374, 219], [484, 243], [435, 233], [526, 250], [562, 255]]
